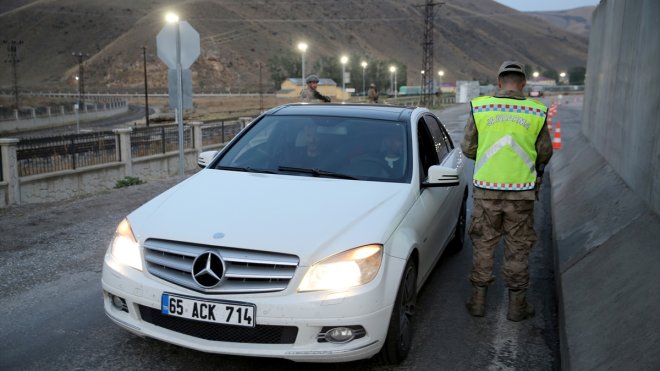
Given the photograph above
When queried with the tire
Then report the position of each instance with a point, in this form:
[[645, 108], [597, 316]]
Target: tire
[[456, 243], [400, 329]]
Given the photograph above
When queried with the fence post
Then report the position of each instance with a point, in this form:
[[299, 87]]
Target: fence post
[[244, 121], [197, 136], [10, 169], [125, 156]]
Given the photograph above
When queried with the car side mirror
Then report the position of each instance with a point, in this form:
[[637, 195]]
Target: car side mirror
[[205, 158], [442, 176]]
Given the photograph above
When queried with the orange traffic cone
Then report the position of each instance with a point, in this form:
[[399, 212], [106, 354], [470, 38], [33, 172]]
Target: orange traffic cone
[[550, 124], [556, 141]]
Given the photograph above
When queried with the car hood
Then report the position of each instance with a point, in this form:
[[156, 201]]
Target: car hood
[[310, 217]]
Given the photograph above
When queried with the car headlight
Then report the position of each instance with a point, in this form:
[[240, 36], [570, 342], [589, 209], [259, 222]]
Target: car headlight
[[124, 247], [350, 268]]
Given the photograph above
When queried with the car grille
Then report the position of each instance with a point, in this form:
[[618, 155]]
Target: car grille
[[260, 334], [247, 271]]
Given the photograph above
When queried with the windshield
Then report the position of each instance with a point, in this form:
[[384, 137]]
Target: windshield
[[339, 147]]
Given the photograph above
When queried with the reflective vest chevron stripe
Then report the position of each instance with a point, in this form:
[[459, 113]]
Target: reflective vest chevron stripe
[[506, 154]]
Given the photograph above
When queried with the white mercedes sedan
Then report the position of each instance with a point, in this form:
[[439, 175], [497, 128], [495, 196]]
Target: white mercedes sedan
[[307, 237]]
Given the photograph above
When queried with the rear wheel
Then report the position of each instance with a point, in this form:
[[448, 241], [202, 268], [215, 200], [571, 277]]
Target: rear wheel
[[400, 329], [456, 244]]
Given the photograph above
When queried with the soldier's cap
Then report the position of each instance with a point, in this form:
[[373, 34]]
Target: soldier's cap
[[312, 78], [512, 66]]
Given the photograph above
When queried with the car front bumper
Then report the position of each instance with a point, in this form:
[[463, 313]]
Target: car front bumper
[[369, 306]]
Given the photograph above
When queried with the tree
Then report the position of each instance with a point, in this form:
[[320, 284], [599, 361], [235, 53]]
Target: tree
[[552, 74], [576, 75], [283, 66]]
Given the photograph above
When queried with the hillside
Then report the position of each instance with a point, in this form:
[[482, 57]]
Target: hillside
[[471, 38], [576, 20]]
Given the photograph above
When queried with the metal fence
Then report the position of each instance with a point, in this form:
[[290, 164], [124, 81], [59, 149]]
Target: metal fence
[[41, 155], [66, 152], [160, 139], [220, 132]]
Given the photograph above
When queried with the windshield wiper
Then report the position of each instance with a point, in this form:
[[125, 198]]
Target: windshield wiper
[[315, 172], [246, 169]]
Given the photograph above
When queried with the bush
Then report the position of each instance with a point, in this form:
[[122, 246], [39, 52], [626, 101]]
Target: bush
[[128, 181]]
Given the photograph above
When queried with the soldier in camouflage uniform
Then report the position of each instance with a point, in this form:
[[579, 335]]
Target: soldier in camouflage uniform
[[310, 94], [507, 135]]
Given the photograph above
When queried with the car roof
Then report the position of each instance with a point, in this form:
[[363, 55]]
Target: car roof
[[372, 111]]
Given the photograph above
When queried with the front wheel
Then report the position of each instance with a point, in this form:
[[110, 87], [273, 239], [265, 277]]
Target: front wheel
[[400, 329]]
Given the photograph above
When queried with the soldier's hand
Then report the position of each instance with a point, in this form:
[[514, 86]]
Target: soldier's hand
[[320, 96]]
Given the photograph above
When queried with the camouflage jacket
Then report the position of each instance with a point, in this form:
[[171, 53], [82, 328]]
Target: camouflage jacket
[[308, 95]]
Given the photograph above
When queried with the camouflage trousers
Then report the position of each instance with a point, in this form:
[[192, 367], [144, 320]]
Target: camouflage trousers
[[492, 220]]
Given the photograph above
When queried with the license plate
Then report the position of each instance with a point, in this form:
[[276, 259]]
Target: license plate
[[215, 311]]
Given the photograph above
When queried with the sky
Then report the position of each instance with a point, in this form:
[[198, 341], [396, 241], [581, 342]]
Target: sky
[[543, 5]]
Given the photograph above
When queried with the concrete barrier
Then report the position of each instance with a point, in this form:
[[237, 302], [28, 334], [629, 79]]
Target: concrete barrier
[[606, 198], [606, 263]]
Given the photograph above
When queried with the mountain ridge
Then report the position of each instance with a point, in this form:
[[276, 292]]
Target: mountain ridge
[[471, 38]]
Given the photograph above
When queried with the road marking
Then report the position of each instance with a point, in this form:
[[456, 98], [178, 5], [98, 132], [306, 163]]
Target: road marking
[[505, 343]]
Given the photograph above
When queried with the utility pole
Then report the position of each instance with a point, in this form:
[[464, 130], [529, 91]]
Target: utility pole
[[261, 91], [81, 77], [12, 58], [146, 94], [427, 45]]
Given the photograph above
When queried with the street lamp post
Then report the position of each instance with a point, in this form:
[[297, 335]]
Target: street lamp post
[[440, 74], [393, 71], [364, 67], [78, 107], [562, 78], [343, 60], [303, 47]]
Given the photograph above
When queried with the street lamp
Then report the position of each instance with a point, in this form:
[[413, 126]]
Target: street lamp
[[421, 83], [171, 18], [535, 74], [393, 72], [303, 48], [562, 78], [343, 60], [364, 67], [78, 107], [440, 74]]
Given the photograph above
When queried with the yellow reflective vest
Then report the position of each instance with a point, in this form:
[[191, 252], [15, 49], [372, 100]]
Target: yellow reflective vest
[[506, 154]]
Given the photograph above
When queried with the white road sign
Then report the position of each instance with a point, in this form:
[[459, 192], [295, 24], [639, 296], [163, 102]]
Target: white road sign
[[166, 44]]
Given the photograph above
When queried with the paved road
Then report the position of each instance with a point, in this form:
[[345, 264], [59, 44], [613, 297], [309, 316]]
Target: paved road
[[122, 120], [51, 314]]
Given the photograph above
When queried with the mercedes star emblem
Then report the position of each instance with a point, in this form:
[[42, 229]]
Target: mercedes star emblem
[[208, 269]]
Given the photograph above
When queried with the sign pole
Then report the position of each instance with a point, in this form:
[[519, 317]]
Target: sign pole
[[179, 111]]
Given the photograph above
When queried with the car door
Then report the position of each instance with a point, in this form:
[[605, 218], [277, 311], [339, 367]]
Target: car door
[[434, 214]]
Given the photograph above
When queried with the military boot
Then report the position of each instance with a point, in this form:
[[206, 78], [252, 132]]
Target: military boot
[[477, 303], [519, 308]]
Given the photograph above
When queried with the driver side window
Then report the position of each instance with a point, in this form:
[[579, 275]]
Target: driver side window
[[427, 152]]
